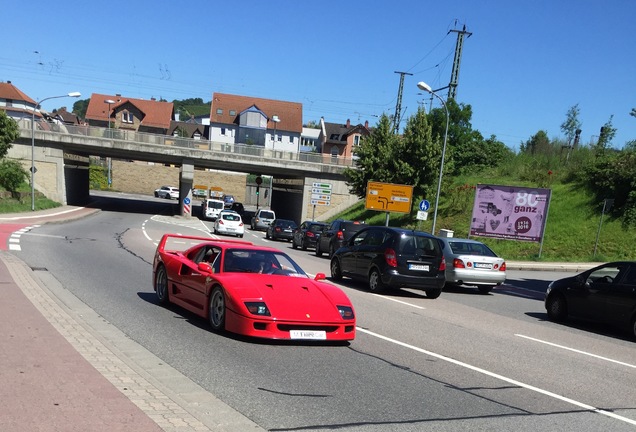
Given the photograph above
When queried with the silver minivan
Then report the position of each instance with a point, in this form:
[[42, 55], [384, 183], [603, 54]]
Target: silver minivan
[[262, 219]]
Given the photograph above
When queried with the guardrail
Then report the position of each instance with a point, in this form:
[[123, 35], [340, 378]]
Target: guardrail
[[172, 141]]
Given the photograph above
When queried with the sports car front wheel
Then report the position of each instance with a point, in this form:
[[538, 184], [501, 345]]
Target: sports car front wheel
[[161, 284], [216, 314]]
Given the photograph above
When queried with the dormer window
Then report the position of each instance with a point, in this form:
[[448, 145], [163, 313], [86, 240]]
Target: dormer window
[[334, 136], [127, 117]]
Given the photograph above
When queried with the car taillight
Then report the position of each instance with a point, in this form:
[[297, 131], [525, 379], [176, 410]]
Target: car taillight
[[310, 234], [390, 257], [340, 235], [220, 221], [240, 223], [457, 263], [503, 267], [277, 229], [442, 265]]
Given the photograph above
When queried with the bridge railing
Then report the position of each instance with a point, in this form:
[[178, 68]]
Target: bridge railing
[[199, 144]]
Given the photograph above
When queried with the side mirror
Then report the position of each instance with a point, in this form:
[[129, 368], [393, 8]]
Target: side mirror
[[205, 267], [320, 276]]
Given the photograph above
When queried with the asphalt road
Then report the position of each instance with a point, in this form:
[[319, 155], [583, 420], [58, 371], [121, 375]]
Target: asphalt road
[[464, 361]]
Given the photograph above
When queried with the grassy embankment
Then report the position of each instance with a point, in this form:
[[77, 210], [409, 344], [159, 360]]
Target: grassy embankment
[[571, 229]]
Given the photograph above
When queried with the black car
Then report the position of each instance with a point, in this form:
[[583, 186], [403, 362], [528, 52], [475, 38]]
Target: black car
[[606, 293], [281, 229], [336, 235], [238, 207], [307, 234], [388, 257]]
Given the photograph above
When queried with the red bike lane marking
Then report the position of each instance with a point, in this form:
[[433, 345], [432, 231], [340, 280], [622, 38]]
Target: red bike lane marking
[[6, 230]]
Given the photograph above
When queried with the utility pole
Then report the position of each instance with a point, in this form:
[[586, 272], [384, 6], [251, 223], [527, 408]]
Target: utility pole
[[397, 118], [452, 87]]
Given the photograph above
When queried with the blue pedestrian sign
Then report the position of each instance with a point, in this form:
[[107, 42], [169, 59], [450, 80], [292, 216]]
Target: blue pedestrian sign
[[425, 205]]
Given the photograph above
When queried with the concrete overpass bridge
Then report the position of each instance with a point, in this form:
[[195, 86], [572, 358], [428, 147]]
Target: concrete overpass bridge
[[62, 158]]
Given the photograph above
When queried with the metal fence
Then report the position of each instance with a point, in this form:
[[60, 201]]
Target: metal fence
[[198, 144]]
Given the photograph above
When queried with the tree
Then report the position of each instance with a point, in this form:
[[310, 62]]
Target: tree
[[12, 175], [9, 132], [608, 132], [571, 123], [80, 107], [538, 143], [312, 124], [374, 156]]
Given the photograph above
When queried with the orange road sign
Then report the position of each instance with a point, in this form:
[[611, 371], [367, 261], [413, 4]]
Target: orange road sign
[[389, 197]]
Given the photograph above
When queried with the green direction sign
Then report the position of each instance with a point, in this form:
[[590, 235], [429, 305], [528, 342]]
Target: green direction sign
[[322, 185]]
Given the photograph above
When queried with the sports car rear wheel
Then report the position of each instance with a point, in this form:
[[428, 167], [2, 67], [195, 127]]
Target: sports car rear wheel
[[216, 314], [161, 284], [336, 272]]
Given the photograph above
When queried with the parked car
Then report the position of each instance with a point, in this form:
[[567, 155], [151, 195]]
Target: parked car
[[211, 208], [262, 219], [228, 200], [167, 192], [336, 235], [306, 235], [606, 294], [387, 257], [470, 262], [281, 229], [229, 222], [220, 280]]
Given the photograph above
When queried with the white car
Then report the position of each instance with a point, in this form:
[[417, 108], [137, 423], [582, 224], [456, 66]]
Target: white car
[[229, 222], [167, 192]]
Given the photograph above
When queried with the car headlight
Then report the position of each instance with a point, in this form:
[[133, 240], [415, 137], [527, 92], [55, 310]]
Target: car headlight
[[346, 312], [257, 308]]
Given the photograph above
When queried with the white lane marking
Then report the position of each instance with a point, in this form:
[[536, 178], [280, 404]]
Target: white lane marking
[[577, 351], [44, 215], [15, 247], [502, 378], [398, 301]]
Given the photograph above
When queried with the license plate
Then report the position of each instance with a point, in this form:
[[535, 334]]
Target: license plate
[[231, 229], [483, 265], [308, 334], [418, 267]]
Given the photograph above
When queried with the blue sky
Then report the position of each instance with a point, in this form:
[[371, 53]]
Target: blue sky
[[524, 66]]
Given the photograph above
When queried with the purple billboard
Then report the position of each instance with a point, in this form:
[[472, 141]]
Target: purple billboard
[[510, 212]]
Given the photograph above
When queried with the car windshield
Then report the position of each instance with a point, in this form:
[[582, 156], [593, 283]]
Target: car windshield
[[315, 228], [259, 261], [470, 248], [286, 224], [267, 215], [215, 204]]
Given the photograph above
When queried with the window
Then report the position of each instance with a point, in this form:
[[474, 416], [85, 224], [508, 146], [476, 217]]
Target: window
[[127, 117], [223, 131], [279, 137], [219, 111], [356, 140], [334, 152], [232, 113]]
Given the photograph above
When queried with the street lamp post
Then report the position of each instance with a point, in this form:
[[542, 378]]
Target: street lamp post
[[37, 104], [108, 160], [275, 119], [423, 86]]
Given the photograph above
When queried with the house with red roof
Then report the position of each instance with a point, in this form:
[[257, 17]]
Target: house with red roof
[[340, 140], [268, 123], [140, 115], [17, 105]]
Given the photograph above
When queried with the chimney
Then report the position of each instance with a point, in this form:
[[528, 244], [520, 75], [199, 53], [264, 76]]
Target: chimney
[[348, 122], [366, 124]]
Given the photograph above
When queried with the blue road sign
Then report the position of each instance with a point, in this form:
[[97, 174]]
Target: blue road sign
[[186, 200], [425, 205]]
